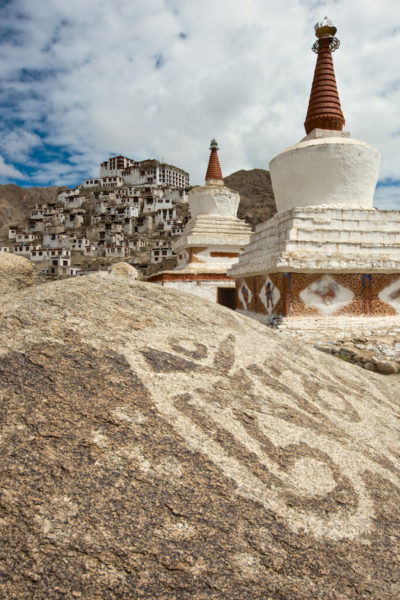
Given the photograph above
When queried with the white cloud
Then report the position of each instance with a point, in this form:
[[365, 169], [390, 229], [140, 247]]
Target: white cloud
[[82, 75], [18, 144], [8, 171]]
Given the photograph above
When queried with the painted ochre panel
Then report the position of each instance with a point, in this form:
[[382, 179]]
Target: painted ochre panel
[[312, 294], [261, 294], [193, 254], [338, 294], [245, 295], [269, 295], [385, 303]]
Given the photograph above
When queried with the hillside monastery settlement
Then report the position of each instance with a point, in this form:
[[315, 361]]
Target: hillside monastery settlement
[[128, 213], [327, 252]]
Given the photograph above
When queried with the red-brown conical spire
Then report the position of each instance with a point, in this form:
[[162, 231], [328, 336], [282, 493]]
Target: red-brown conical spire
[[324, 110], [214, 169]]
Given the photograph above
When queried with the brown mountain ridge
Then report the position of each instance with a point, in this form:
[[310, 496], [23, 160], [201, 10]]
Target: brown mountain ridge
[[257, 202]]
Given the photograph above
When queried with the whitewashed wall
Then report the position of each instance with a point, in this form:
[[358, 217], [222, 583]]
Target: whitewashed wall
[[203, 289]]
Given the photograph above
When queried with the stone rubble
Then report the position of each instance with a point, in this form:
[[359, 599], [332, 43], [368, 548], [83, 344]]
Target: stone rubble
[[373, 355], [371, 343]]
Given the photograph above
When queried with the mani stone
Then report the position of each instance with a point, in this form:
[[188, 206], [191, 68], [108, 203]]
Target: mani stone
[[153, 447]]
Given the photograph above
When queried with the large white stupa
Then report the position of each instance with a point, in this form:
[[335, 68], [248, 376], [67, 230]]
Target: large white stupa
[[327, 251]]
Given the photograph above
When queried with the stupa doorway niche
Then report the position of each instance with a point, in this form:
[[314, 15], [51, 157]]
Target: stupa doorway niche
[[226, 297]]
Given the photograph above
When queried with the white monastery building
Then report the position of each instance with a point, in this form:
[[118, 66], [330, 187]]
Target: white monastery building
[[145, 172]]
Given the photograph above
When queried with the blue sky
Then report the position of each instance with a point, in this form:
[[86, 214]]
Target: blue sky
[[86, 79]]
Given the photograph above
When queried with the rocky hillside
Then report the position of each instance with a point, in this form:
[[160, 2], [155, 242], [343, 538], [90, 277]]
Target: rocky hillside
[[152, 447], [15, 203], [257, 203]]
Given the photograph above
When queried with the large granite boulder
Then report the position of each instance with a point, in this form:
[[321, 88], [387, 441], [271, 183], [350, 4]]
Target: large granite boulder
[[154, 445], [16, 273], [124, 269]]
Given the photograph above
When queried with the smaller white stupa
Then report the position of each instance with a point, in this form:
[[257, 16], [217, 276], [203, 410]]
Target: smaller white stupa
[[211, 242]]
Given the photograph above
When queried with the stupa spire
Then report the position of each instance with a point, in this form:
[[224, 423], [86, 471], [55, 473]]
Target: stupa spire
[[324, 110], [214, 173]]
